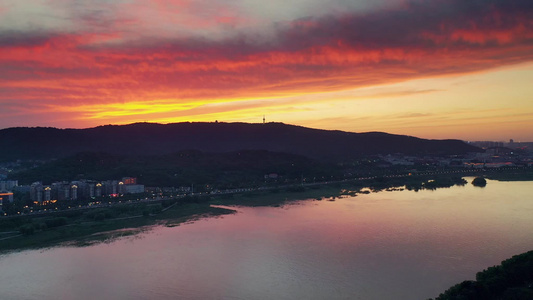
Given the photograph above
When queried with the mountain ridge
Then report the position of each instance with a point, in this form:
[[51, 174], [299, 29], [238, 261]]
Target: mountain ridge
[[156, 139]]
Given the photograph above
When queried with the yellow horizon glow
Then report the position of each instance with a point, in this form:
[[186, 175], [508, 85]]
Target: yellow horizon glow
[[494, 105]]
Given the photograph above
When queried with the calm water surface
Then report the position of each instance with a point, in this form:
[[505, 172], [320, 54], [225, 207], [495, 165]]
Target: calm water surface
[[388, 245]]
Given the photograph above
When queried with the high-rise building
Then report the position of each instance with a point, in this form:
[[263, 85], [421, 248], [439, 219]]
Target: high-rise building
[[62, 190], [98, 190], [5, 197], [47, 193], [74, 192], [92, 188], [111, 187], [36, 192], [8, 185]]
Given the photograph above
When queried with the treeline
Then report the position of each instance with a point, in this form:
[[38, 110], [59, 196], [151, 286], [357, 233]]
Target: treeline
[[413, 183], [30, 227], [29, 224], [512, 280], [224, 170]]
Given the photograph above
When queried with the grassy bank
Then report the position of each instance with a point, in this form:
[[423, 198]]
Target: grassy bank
[[278, 197], [86, 228]]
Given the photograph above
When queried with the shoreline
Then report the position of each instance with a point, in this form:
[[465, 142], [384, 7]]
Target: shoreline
[[83, 228], [83, 233]]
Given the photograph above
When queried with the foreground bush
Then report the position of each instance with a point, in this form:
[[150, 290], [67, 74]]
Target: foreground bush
[[512, 280]]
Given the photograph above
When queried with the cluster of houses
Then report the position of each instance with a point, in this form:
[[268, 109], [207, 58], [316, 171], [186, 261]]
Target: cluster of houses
[[490, 159], [73, 190], [6, 188]]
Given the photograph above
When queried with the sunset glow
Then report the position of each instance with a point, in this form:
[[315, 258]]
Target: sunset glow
[[428, 68]]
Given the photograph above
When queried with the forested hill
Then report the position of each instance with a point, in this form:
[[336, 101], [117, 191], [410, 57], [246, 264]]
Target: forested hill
[[156, 139], [228, 169]]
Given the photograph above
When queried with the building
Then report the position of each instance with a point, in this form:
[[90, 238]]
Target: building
[[5, 191], [8, 185], [129, 180], [61, 190], [92, 190], [78, 190], [133, 189], [4, 198], [36, 192], [47, 194], [25, 189], [121, 188], [98, 190], [110, 188], [74, 192]]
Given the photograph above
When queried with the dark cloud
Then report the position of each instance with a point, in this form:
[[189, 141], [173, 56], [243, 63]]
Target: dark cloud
[[408, 27], [23, 39], [423, 38], [428, 26]]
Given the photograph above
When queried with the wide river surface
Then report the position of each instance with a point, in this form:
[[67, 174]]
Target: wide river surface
[[387, 245]]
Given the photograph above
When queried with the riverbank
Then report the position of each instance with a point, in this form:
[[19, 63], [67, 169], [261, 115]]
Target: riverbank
[[89, 228], [97, 225], [511, 176]]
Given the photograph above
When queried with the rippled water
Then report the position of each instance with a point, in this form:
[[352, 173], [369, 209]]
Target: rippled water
[[388, 245]]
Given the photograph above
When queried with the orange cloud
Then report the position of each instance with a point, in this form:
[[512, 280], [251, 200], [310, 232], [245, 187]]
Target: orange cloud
[[112, 74]]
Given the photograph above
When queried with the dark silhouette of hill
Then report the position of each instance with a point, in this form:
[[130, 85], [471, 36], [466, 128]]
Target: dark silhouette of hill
[[157, 139]]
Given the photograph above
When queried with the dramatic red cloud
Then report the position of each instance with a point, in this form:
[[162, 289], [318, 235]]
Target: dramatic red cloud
[[426, 38]]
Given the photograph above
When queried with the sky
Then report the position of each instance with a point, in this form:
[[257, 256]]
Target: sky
[[428, 68]]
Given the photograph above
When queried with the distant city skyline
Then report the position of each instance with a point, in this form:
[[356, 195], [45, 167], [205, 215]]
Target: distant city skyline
[[432, 69]]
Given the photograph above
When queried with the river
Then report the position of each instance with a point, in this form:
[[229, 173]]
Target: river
[[387, 245]]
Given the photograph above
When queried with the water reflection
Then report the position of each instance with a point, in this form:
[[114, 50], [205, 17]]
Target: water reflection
[[389, 245]]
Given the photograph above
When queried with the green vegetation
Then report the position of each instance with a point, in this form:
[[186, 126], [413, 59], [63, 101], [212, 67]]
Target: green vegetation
[[511, 175], [479, 181], [512, 280], [432, 184], [85, 227], [277, 197], [220, 170]]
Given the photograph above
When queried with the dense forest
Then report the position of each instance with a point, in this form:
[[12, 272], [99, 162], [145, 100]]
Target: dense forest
[[183, 168]]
